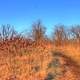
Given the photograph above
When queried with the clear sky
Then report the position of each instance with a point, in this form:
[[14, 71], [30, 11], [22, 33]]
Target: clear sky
[[22, 13]]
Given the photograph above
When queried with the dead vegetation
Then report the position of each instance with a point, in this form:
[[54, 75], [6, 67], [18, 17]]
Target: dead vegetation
[[31, 58]]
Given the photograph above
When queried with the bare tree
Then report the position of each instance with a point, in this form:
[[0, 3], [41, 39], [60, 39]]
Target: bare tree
[[75, 30], [38, 31], [60, 35], [7, 32]]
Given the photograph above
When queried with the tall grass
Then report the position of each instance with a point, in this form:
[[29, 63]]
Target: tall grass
[[15, 42]]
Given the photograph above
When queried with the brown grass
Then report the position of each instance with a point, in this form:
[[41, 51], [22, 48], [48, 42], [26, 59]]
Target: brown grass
[[40, 58], [30, 62]]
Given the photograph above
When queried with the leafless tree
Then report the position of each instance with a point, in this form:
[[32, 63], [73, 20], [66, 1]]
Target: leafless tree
[[75, 30], [7, 32], [60, 35], [38, 31]]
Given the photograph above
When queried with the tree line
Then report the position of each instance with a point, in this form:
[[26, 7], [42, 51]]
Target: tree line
[[59, 36]]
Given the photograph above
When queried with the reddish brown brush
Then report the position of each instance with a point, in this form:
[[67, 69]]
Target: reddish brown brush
[[39, 58]]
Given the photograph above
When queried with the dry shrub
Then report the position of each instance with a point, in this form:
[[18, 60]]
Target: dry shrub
[[38, 56], [38, 31], [60, 35]]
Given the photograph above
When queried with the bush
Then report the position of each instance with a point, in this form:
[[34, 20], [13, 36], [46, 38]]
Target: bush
[[38, 31]]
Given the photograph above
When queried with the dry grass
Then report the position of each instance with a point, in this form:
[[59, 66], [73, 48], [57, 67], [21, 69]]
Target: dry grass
[[40, 58], [31, 62]]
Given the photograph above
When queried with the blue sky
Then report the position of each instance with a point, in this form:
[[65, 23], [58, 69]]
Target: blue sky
[[22, 13]]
